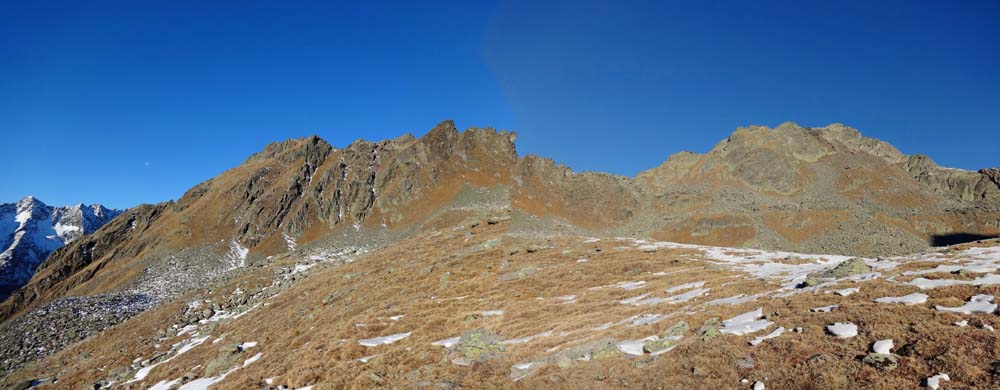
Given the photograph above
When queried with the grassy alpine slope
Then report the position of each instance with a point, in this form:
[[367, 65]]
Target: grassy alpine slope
[[565, 312]]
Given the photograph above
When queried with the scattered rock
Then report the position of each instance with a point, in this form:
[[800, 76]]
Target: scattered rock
[[853, 266], [493, 220], [810, 282], [708, 329], [521, 273], [658, 345], [228, 356], [679, 329], [819, 358], [881, 361], [479, 345], [608, 352], [534, 248], [745, 363], [376, 378], [644, 361]]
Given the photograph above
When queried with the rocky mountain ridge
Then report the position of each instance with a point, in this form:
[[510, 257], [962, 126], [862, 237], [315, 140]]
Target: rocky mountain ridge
[[30, 230], [810, 190]]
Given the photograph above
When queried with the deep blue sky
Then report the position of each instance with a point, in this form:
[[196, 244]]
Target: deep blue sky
[[136, 101]]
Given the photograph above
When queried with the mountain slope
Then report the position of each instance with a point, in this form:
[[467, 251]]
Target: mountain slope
[[30, 230], [817, 190], [813, 190], [475, 306]]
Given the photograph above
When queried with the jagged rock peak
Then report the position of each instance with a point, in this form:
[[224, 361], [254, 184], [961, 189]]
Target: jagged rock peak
[[30, 230], [291, 150]]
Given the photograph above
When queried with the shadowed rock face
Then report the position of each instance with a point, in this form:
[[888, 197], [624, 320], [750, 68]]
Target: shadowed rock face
[[969, 186], [793, 188]]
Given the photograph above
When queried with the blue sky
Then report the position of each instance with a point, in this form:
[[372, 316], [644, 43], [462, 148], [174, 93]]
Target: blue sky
[[131, 102]]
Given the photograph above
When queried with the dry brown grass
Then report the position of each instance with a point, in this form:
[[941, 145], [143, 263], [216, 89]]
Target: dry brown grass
[[305, 341]]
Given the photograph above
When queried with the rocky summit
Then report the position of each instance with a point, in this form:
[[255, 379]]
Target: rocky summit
[[30, 230], [784, 258]]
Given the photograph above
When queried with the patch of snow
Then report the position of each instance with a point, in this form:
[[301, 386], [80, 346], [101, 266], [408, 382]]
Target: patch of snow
[[760, 339], [383, 340], [186, 329], [581, 260], [685, 286], [302, 267], [962, 323], [366, 359], [248, 344], [646, 319], [205, 383], [634, 347], [238, 254], [911, 299], [758, 385], [847, 291], [883, 346], [934, 382], [746, 323], [566, 297], [396, 318], [687, 296], [985, 280], [733, 300], [843, 330], [633, 300], [488, 313], [289, 241], [448, 342], [165, 385], [252, 359], [630, 285], [981, 303], [184, 347]]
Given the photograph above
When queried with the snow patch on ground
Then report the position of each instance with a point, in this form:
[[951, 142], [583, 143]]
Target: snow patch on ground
[[685, 286], [911, 299], [981, 303], [925, 284], [448, 342], [843, 330], [883, 346], [383, 340], [847, 291], [746, 323], [734, 300], [824, 309], [934, 382], [634, 347], [773, 334]]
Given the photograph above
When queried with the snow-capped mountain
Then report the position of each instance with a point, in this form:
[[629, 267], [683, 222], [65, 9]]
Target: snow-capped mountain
[[30, 230]]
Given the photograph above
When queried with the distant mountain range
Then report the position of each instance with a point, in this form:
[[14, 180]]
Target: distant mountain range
[[30, 230]]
